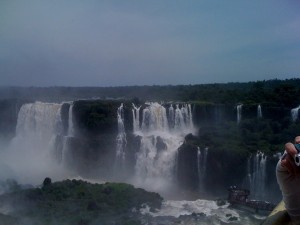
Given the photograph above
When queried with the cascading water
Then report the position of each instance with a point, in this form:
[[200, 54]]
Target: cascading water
[[294, 113], [156, 158], [256, 175], [65, 141], [70, 122], [30, 152], [171, 116], [201, 164], [39, 120], [154, 118], [239, 113], [190, 117], [179, 119], [259, 112], [136, 118], [121, 137]]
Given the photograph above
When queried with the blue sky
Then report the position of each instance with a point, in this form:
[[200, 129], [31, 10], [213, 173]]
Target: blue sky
[[138, 42]]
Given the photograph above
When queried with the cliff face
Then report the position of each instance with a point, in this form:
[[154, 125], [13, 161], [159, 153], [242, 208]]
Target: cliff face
[[221, 152], [242, 149], [91, 147], [230, 145]]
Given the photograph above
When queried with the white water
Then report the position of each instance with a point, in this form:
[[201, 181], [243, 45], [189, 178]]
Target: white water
[[198, 166], [257, 176], [171, 116], [259, 112], [190, 117], [294, 113], [156, 159], [136, 118], [179, 118], [203, 212], [201, 163], [40, 120], [239, 113], [70, 122], [121, 137], [179, 208], [28, 158]]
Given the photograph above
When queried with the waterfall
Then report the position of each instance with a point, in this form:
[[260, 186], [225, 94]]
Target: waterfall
[[39, 120], [70, 122], [154, 118], [201, 165], [136, 118], [171, 116], [257, 176], [190, 117], [65, 150], [121, 137], [294, 113], [32, 153], [156, 159], [239, 113], [179, 119], [259, 112]]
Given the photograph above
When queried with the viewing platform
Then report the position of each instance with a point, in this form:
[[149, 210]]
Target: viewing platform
[[239, 197]]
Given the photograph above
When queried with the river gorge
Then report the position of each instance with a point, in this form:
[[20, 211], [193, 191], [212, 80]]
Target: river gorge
[[173, 148]]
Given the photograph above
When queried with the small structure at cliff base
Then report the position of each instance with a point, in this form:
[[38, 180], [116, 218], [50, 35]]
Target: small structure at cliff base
[[240, 198]]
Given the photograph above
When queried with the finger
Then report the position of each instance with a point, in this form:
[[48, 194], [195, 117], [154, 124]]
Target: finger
[[286, 164], [290, 148], [292, 165]]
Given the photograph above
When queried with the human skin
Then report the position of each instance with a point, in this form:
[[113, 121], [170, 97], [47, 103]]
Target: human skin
[[288, 177], [288, 161]]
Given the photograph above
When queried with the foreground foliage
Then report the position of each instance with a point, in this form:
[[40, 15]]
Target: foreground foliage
[[76, 202]]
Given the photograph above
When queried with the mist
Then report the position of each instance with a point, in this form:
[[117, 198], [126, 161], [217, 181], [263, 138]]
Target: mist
[[29, 163], [28, 157], [178, 145], [178, 149]]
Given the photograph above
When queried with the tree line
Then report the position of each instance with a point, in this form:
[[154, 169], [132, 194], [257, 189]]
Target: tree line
[[273, 92]]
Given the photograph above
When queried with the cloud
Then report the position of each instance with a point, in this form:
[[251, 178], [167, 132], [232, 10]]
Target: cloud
[[126, 43]]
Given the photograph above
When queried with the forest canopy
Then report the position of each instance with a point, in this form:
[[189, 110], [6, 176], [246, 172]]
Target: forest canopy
[[273, 92]]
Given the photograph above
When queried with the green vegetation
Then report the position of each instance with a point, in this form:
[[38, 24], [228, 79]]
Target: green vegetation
[[250, 136], [76, 202], [229, 141], [95, 116], [277, 92], [214, 113]]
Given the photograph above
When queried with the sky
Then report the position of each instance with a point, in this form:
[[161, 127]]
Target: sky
[[139, 42]]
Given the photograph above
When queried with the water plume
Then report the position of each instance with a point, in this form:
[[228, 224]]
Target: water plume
[[161, 134], [29, 158]]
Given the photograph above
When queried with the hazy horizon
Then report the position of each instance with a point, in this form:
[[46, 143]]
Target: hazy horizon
[[145, 85], [135, 43]]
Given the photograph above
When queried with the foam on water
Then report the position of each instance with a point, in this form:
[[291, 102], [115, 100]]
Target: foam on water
[[183, 208], [204, 212]]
